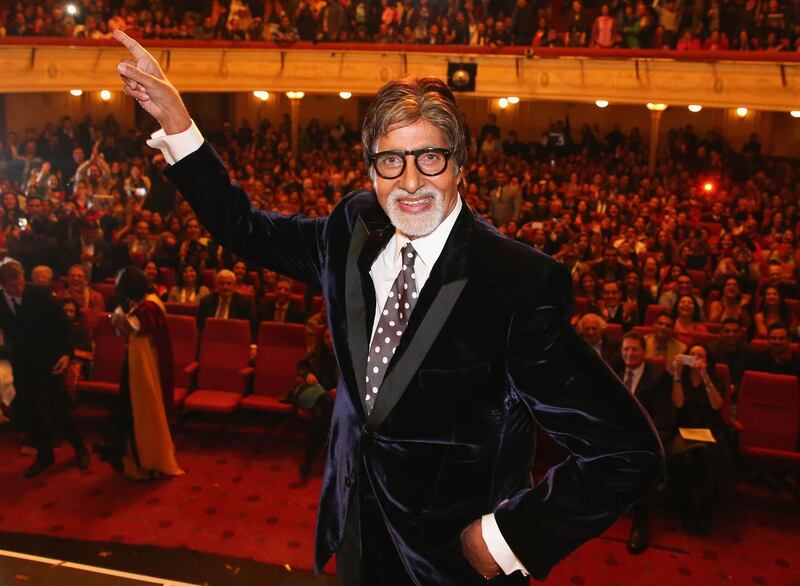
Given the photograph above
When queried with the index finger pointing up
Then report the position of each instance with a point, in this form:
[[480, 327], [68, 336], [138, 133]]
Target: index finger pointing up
[[135, 48]]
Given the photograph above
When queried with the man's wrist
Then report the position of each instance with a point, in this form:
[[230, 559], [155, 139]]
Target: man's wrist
[[175, 124]]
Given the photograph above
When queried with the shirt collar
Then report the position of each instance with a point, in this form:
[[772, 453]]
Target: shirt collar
[[429, 247], [636, 370], [9, 298]]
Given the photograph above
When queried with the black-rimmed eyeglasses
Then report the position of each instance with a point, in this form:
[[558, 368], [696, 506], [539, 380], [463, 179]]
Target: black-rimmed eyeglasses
[[430, 161]]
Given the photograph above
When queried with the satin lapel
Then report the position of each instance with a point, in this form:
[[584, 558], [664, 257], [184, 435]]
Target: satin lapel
[[437, 299], [360, 302]]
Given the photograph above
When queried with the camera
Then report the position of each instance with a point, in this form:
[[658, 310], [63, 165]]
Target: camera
[[140, 191], [687, 360], [22, 223]]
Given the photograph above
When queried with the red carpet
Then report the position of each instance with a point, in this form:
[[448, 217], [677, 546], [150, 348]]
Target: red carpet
[[241, 498]]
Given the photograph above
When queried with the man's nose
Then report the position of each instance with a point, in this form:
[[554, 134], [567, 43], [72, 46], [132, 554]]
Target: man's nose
[[411, 178]]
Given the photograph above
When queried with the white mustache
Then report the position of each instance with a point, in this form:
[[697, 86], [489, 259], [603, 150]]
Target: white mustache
[[425, 191]]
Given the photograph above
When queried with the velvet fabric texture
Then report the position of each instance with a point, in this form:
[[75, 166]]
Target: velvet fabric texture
[[487, 356]]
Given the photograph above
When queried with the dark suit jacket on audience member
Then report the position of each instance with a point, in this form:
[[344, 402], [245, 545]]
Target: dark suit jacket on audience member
[[240, 308], [34, 340], [451, 436], [266, 312], [654, 392]]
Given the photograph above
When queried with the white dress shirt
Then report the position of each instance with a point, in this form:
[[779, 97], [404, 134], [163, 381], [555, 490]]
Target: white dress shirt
[[384, 271], [637, 376]]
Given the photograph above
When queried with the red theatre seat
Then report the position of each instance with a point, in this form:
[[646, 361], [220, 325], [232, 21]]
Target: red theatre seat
[[724, 375], [108, 291], [166, 276], [653, 311], [767, 414], [223, 373], [109, 355], [183, 336], [176, 308], [280, 348], [699, 278], [614, 333]]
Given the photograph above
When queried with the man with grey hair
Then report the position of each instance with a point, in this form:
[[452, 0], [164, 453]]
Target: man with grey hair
[[224, 303], [432, 433]]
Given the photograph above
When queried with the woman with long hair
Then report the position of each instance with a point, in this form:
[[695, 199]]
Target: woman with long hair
[[731, 305], [688, 319], [772, 309], [701, 471], [188, 288], [138, 439]]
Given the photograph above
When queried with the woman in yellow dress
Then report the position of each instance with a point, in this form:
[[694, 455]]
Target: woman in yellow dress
[[138, 440]]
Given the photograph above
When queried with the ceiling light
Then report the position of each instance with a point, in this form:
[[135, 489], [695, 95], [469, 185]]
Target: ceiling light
[[657, 107], [105, 95], [513, 99], [76, 93], [345, 95], [795, 113], [741, 112], [503, 103], [695, 108], [601, 103], [295, 95], [261, 95]]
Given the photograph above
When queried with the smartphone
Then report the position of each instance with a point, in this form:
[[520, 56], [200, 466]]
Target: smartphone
[[687, 360], [141, 191], [22, 222], [537, 225]]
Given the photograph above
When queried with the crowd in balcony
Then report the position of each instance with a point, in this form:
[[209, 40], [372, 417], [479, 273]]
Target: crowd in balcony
[[682, 25]]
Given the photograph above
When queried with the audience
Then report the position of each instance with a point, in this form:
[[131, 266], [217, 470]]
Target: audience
[[664, 24], [583, 197]]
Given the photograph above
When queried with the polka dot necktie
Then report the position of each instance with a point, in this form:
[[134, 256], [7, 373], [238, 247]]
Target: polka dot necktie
[[391, 324]]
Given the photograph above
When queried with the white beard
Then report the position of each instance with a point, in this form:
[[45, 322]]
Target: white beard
[[417, 224]]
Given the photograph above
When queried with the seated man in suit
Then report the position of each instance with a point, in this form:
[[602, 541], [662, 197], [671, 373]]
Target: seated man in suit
[[224, 303], [778, 358], [591, 327], [281, 309], [651, 385], [662, 343]]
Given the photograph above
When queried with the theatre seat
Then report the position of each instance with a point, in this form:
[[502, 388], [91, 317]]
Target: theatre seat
[[280, 348], [183, 336], [108, 291], [223, 373], [109, 355], [176, 308], [653, 311], [768, 420]]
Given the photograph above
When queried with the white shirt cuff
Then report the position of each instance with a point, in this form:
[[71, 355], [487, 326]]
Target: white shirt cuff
[[498, 547], [174, 147]]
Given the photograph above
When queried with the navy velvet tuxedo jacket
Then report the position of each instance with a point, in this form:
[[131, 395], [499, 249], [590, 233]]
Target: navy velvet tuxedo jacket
[[488, 355]]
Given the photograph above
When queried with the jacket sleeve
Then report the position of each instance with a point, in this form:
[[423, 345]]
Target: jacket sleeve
[[613, 448], [289, 245]]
